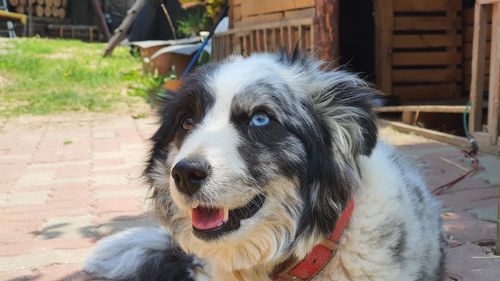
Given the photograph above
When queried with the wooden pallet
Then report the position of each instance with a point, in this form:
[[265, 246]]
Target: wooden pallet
[[418, 48]]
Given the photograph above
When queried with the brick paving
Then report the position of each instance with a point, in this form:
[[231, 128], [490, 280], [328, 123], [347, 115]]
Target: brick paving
[[65, 182], [68, 180]]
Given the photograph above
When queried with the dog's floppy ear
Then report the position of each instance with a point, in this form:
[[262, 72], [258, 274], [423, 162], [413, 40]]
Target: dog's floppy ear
[[345, 104], [345, 128]]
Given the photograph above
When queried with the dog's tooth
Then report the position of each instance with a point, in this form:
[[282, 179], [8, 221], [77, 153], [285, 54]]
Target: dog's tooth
[[226, 214]]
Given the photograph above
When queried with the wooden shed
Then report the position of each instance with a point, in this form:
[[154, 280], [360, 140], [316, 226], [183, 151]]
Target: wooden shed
[[416, 51]]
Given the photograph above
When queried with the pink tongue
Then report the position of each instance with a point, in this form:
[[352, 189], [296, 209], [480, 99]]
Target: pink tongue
[[207, 218]]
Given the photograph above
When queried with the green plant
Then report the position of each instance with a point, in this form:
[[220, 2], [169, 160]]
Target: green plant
[[147, 86], [194, 23]]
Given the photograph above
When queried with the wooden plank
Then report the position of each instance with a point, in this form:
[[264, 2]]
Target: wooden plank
[[478, 61], [249, 8], [301, 13], [262, 18], [425, 41], [433, 91], [426, 5], [384, 26], [266, 42], [251, 46], [259, 42], [301, 4], [468, 15], [427, 23], [426, 75], [269, 6], [435, 135], [300, 39], [13, 16], [469, 33], [423, 108], [468, 67], [468, 50], [494, 89], [236, 13], [327, 21], [269, 25], [427, 58], [273, 39], [484, 2], [289, 40], [486, 83], [313, 38]]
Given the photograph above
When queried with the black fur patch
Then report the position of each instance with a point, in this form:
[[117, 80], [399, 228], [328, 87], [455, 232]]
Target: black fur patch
[[191, 100], [330, 176], [171, 265], [399, 248]]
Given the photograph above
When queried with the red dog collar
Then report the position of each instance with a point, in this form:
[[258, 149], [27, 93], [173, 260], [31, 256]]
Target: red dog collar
[[320, 255]]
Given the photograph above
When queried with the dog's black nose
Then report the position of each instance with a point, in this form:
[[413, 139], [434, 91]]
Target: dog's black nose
[[189, 174]]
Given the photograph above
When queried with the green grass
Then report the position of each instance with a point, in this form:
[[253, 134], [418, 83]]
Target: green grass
[[42, 76]]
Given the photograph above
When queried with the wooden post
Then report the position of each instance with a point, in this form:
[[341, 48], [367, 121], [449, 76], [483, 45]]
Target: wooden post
[[478, 66], [497, 248], [327, 17], [100, 20], [384, 25], [494, 89], [120, 32]]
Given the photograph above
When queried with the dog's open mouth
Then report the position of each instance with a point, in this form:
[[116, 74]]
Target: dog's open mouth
[[211, 223]]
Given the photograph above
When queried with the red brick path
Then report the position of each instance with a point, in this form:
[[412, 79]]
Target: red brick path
[[66, 181]]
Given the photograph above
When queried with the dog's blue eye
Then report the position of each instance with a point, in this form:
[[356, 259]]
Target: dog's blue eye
[[260, 119]]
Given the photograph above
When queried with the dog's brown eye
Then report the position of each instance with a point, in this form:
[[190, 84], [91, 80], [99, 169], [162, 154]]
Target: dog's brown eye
[[188, 123]]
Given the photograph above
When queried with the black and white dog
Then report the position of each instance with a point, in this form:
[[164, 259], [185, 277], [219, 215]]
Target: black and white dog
[[253, 163]]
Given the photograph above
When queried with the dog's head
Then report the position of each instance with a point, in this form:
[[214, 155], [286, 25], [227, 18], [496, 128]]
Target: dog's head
[[254, 155]]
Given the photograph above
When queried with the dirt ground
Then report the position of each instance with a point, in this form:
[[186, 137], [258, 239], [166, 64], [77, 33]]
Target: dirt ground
[[68, 180]]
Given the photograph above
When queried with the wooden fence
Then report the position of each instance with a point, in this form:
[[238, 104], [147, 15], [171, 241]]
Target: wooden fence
[[265, 37]]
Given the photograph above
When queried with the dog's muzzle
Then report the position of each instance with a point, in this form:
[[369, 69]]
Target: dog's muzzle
[[210, 222]]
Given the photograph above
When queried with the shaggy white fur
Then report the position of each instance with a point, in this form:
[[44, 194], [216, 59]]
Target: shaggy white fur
[[121, 255], [283, 183]]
